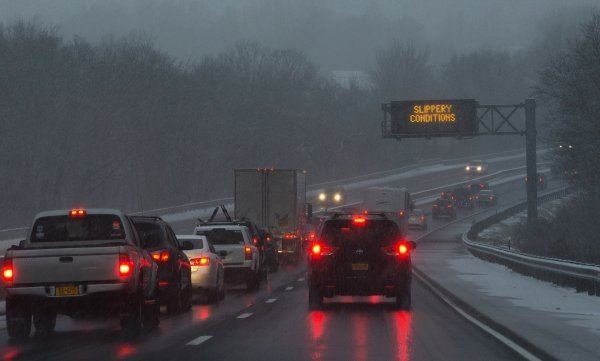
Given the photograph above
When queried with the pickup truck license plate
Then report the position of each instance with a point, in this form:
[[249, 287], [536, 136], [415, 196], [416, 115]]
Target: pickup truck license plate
[[66, 291], [360, 266]]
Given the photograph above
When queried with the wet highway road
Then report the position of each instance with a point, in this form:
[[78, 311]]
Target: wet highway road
[[275, 323]]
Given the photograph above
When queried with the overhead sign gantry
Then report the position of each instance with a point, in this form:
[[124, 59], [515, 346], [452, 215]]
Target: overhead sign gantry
[[462, 118]]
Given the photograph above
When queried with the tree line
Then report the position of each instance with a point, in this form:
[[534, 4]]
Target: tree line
[[120, 123]]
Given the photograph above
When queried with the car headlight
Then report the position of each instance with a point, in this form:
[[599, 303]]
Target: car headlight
[[479, 168], [337, 197], [322, 196], [467, 168]]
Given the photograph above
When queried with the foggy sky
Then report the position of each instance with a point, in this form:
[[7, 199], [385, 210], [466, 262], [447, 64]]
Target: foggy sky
[[336, 34]]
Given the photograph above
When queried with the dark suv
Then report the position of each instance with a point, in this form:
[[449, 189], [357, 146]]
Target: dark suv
[[464, 198], [443, 208], [174, 271], [360, 255]]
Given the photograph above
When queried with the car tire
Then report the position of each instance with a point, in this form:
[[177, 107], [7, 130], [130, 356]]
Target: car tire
[[151, 314], [404, 300], [222, 293], [18, 320], [315, 299], [174, 303], [252, 282], [186, 302], [132, 321], [44, 321]]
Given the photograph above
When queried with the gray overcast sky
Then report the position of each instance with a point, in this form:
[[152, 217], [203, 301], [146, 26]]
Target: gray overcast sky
[[337, 34]]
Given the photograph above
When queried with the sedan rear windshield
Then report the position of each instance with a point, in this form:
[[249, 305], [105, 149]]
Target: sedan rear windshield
[[91, 227], [341, 232], [218, 236], [197, 242]]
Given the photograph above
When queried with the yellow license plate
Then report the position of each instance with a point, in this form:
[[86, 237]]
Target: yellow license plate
[[66, 291], [360, 266]]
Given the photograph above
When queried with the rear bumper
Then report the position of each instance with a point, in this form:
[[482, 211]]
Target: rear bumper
[[202, 278], [386, 283], [84, 290]]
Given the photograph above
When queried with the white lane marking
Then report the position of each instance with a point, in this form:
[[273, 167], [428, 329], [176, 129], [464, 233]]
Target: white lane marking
[[300, 279], [198, 340], [505, 340], [245, 315], [289, 288], [271, 300]]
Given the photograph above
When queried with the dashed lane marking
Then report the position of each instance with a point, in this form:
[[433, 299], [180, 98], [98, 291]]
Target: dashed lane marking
[[300, 279], [245, 315], [289, 288], [271, 300], [198, 340]]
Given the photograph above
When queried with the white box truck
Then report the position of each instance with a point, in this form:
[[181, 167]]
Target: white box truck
[[275, 199], [394, 202]]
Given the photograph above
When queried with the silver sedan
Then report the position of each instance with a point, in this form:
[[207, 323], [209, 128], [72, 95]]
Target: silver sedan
[[207, 268]]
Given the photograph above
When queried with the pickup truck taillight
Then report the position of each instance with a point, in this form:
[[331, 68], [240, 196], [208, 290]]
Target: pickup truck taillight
[[8, 273], [160, 256], [125, 265], [248, 253]]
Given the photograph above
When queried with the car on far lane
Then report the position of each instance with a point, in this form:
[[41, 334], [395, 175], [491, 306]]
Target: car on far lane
[[443, 208], [208, 273], [541, 181], [418, 219], [476, 187], [476, 167], [486, 197]]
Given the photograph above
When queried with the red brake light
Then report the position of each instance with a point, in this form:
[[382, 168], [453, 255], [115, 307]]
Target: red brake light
[[202, 261], [160, 256], [316, 249], [359, 220], [125, 265], [248, 253], [422, 218], [401, 214], [402, 249], [449, 205], [77, 212], [8, 273], [254, 241]]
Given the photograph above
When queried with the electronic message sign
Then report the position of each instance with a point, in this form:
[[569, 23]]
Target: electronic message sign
[[433, 118]]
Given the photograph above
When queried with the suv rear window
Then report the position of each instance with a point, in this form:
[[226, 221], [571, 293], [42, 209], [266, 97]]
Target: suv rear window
[[92, 227], [222, 235], [151, 234], [340, 232]]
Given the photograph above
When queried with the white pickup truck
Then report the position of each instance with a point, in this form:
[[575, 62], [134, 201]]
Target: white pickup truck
[[82, 263]]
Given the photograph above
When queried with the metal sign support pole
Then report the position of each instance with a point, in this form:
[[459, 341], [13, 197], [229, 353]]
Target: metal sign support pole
[[532, 177]]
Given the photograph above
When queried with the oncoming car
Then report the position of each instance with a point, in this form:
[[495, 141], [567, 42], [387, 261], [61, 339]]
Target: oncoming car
[[476, 167], [360, 255], [328, 198]]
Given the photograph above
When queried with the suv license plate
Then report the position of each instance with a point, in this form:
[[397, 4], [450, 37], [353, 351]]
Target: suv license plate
[[360, 266], [66, 291]]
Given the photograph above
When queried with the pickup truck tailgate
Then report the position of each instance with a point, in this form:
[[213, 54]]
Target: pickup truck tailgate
[[66, 265]]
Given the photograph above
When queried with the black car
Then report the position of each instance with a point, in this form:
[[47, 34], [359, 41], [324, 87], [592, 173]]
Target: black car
[[174, 271], [476, 187], [360, 255], [486, 198], [443, 208], [463, 198]]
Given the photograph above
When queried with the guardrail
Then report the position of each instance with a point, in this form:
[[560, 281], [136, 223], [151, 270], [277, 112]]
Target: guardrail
[[582, 277], [13, 233]]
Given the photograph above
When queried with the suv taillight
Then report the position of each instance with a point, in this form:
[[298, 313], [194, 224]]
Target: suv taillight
[[400, 249], [125, 265], [319, 249], [248, 253], [8, 272], [160, 256]]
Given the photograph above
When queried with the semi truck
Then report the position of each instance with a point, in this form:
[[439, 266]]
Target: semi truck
[[394, 202], [276, 200]]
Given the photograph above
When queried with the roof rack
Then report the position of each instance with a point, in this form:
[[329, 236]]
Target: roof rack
[[153, 218]]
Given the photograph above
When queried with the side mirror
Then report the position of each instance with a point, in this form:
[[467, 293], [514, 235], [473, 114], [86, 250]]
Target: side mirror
[[412, 244], [22, 243], [223, 254], [187, 246]]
